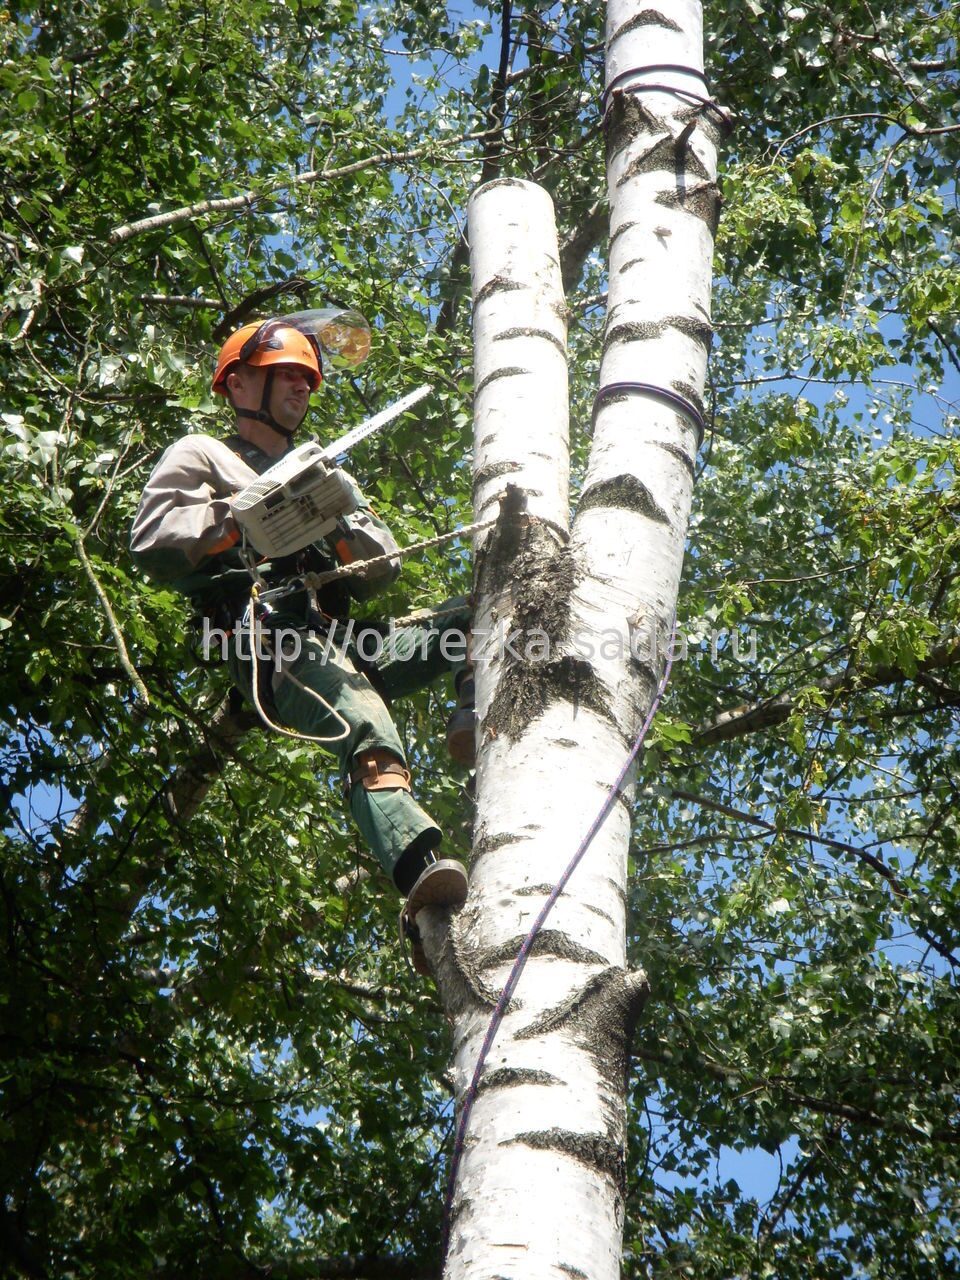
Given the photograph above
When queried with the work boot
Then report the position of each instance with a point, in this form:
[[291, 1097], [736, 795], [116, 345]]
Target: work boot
[[462, 725], [442, 884]]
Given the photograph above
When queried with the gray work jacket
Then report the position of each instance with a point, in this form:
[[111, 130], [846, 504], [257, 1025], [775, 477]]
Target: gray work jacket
[[184, 535]]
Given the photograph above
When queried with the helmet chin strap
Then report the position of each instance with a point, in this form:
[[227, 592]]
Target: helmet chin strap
[[264, 415]]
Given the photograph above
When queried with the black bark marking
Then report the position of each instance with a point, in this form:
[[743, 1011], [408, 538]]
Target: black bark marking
[[597, 911], [699, 330], [461, 982], [693, 395], [540, 575], [527, 332], [692, 327], [508, 1077], [523, 558], [575, 1272], [681, 456], [645, 668], [494, 285], [624, 226], [528, 687], [595, 1150], [668, 155], [565, 742], [706, 121], [632, 331], [602, 1017], [619, 890], [493, 472], [548, 942], [646, 18], [632, 263], [623, 802], [556, 1018], [625, 492], [702, 201], [629, 116], [503, 182], [484, 843], [530, 890], [508, 371]]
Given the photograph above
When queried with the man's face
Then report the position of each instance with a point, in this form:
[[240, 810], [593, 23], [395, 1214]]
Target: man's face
[[289, 396]]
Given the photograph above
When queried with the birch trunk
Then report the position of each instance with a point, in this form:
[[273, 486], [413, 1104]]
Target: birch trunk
[[562, 683]]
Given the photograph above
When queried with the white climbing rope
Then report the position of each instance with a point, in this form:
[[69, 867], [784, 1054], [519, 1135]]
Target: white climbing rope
[[315, 580], [255, 636]]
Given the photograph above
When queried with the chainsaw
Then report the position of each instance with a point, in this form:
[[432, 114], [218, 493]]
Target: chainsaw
[[304, 496]]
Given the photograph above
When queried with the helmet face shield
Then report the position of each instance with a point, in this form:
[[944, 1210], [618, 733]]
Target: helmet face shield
[[341, 333]]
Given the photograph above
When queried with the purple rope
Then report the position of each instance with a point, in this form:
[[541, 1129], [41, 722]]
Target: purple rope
[[518, 965]]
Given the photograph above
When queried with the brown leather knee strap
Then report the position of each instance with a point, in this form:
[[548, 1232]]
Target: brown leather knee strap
[[380, 771]]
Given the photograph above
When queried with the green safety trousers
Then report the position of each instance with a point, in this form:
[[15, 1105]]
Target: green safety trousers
[[333, 665]]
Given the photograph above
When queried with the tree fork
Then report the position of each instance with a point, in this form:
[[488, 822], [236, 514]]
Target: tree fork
[[564, 712]]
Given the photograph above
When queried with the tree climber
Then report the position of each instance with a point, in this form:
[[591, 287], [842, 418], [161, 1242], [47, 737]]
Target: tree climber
[[185, 536]]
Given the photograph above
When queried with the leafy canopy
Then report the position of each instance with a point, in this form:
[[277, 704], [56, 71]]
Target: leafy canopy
[[213, 1059]]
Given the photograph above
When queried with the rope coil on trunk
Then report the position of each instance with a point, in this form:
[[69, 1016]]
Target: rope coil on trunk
[[673, 398], [619, 85]]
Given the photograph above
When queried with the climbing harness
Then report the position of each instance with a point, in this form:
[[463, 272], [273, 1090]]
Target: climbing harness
[[262, 598], [518, 965], [256, 636]]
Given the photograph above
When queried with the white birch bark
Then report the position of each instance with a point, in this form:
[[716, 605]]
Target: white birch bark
[[540, 1190], [546, 1131], [520, 346], [632, 517]]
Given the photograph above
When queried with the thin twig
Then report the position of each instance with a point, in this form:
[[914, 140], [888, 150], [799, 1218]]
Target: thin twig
[[914, 131], [114, 626], [828, 842], [181, 300], [76, 537]]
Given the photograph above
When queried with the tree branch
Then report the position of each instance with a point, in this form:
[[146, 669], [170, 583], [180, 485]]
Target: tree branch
[[498, 100], [770, 1221], [256, 299], [76, 537], [249, 198], [822, 1106], [750, 717], [181, 300], [909, 130], [577, 245], [114, 626]]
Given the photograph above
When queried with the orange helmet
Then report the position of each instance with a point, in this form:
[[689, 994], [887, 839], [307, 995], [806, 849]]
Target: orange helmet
[[265, 343]]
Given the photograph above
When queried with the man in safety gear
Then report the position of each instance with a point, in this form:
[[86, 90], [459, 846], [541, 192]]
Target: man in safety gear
[[185, 536]]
